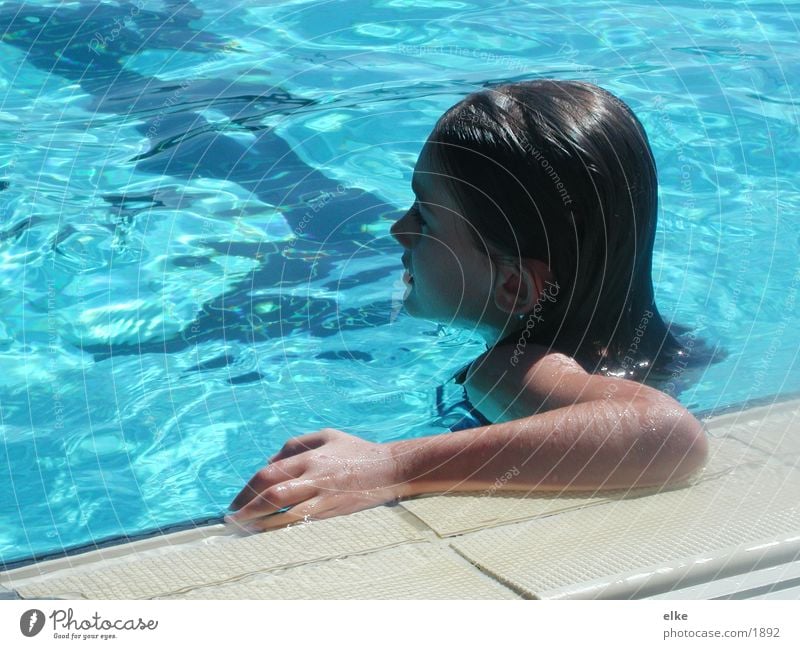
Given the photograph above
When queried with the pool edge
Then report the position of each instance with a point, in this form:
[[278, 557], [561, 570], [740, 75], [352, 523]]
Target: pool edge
[[724, 424]]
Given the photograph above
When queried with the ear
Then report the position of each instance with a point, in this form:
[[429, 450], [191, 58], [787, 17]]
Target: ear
[[518, 287]]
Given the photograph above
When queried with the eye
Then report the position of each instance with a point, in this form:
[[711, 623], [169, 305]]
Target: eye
[[418, 216]]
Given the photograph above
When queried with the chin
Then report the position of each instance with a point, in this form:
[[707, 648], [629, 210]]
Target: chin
[[414, 311]]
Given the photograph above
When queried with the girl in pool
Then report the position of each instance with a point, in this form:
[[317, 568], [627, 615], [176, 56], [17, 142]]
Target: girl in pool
[[533, 226]]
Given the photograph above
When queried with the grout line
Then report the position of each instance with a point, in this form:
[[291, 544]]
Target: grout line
[[506, 583], [284, 567]]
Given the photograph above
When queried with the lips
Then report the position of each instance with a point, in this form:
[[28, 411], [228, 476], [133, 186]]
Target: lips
[[408, 276]]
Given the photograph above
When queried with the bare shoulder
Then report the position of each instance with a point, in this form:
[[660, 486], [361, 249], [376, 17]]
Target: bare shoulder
[[539, 381]]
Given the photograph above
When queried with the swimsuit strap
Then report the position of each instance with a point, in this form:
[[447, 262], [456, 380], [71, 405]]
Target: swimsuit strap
[[461, 375]]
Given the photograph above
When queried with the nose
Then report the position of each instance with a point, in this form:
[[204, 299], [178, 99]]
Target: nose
[[403, 231]]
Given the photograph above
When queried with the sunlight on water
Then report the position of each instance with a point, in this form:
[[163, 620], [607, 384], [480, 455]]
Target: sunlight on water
[[170, 312]]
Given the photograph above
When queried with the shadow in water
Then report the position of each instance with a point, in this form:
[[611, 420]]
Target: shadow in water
[[86, 43]]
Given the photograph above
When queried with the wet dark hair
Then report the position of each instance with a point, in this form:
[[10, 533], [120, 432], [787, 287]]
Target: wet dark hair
[[562, 171]]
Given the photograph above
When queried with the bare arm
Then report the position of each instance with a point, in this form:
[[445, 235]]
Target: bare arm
[[600, 444], [590, 432]]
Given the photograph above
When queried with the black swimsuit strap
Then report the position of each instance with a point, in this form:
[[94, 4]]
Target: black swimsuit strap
[[461, 375]]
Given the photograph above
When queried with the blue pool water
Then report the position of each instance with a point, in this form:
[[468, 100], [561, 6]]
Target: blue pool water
[[168, 171]]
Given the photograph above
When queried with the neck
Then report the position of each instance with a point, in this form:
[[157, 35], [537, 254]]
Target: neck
[[493, 336]]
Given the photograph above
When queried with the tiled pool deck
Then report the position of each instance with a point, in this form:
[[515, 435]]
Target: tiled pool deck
[[733, 532]]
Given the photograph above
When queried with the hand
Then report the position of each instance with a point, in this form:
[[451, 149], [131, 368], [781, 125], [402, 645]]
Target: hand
[[320, 475]]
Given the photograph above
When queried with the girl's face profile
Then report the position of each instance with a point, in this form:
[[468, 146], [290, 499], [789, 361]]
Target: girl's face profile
[[448, 279]]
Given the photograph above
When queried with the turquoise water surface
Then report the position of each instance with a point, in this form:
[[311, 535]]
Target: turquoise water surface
[[195, 202]]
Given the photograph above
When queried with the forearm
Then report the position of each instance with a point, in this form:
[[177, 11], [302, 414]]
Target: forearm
[[602, 444]]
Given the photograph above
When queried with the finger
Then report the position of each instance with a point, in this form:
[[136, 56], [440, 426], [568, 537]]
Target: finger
[[273, 474], [300, 445], [275, 498], [315, 508]]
